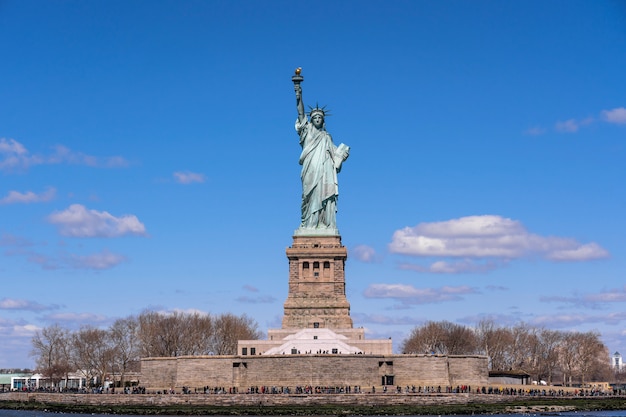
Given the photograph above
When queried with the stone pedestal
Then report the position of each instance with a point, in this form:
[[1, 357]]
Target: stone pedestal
[[317, 284]]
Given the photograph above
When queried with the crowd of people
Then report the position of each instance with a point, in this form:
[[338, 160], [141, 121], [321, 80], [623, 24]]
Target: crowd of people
[[522, 390], [357, 389]]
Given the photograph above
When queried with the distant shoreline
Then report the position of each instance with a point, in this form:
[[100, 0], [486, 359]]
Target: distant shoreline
[[285, 404]]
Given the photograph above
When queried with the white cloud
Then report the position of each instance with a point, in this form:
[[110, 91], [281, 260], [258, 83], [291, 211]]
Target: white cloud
[[588, 251], [502, 319], [14, 329], [13, 241], [384, 319], [189, 311], [187, 177], [568, 126], [364, 253], [97, 261], [617, 295], [262, 299], [592, 300], [76, 318], [27, 330], [470, 226], [11, 147], [15, 156], [452, 267], [16, 339], [571, 320], [497, 288], [258, 299], [550, 321], [250, 288], [617, 115], [64, 155], [102, 260], [18, 304], [44, 261], [78, 221], [486, 236], [408, 294], [28, 197], [535, 131]]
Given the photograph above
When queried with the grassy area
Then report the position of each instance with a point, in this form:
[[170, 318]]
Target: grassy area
[[544, 404]]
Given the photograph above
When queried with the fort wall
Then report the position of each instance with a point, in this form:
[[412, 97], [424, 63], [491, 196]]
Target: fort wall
[[366, 371], [269, 400]]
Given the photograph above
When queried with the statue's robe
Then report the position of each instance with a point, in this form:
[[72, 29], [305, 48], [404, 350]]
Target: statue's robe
[[319, 177]]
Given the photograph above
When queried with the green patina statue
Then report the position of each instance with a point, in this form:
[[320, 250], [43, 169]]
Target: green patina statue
[[321, 160]]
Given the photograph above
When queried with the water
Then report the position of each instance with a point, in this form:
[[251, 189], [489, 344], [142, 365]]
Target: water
[[618, 413]]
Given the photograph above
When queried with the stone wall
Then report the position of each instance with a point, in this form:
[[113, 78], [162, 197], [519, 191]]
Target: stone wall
[[163, 370], [201, 371], [468, 370], [366, 371], [259, 400]]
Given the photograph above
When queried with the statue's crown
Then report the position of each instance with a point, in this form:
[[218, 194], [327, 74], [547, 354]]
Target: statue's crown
[[318, 110]]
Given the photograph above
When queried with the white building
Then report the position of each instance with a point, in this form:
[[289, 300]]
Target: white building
[[616, 362]]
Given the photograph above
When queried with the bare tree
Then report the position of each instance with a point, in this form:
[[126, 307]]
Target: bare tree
[[196, 330], [51, 352], [495, 342], [125, 344], [228, 329], [179, 334], [96, 352], [459, 340], [147, 334], [159, 334], [592, 356], [428, 338], [413, 343], [92, 353], [442, 337], [523, 347], [619, 376], [568, 357], [550, 342]]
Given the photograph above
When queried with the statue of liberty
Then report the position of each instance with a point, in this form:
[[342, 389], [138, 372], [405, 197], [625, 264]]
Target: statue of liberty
[[321, 160]]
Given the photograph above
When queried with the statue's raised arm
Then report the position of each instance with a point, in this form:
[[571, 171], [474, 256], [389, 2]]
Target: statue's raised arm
[[321, 160], [297, 79]]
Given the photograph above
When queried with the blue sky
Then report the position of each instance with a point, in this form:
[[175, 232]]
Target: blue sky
[[148, 159]]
